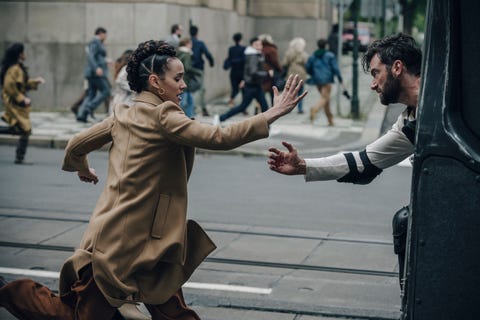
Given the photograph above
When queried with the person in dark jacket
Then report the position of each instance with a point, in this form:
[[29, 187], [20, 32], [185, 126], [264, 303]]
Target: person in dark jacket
[[253, 77], [199, 50], [235, 62], [96, 73], [322, 66]]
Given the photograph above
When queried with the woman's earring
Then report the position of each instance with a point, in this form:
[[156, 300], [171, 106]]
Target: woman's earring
[[161, 91]]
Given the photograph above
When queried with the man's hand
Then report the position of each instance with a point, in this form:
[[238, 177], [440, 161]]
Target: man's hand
[[88, 176], [288, 163], [99, 72]]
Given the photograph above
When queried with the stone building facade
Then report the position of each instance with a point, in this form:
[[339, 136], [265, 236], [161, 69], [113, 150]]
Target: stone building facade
[[55, 33]]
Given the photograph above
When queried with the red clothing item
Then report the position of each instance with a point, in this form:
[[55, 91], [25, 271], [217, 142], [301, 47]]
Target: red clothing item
[[272, 62]]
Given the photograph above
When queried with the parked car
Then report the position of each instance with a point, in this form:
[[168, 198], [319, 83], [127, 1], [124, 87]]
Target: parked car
[[365, 37]]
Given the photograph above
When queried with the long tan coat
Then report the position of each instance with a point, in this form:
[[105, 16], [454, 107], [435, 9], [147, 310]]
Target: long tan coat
[[15, 86], [139, 242]]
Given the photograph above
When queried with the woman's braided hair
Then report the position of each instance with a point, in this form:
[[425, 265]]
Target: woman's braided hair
[[149, 57]]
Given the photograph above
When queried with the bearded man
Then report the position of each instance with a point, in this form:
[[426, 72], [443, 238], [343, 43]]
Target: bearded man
[[395, 65]]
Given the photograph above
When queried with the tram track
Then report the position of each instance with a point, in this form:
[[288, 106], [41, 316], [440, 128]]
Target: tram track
[[231, 231], [215, 260]]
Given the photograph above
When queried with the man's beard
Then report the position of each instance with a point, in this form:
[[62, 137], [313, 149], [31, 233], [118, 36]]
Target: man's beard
[[390, 91]]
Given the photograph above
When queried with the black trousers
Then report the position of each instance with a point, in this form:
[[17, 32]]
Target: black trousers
[[22, 143]]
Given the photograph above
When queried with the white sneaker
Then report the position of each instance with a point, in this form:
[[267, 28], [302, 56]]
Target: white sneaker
[[216, 120]]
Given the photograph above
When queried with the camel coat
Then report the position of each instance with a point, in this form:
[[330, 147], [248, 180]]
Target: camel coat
[[15, 86], [139, 242]]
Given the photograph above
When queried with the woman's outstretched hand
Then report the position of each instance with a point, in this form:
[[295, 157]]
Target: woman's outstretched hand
[[285, 101]]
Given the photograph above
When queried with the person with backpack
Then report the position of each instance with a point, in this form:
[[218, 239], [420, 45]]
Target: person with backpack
[[322, 67]]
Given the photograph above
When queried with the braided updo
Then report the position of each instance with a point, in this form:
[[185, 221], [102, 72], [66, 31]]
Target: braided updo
[[149, 57]]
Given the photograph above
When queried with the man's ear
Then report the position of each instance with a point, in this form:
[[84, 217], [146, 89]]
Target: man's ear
[[397, 68]]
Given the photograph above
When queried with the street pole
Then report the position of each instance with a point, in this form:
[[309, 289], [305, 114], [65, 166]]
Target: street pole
[[339, 51], [355, 103], [384, 18]]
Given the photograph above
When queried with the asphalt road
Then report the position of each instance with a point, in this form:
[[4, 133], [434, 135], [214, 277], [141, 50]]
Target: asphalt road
[[323, 249]]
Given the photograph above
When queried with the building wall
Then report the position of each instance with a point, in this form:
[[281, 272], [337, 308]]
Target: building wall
[[55, 34]]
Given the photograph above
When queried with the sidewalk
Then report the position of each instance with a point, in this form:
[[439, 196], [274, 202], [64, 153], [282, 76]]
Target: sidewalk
[[54, 129]]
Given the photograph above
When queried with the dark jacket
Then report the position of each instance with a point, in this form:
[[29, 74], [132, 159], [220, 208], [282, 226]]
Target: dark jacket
[[235, 60], [96, 58], [199, 49], [253, 73], [190, 73], [322, 66]]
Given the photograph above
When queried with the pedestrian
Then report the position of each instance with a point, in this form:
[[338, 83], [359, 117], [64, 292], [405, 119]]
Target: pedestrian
[[122, 93], [235, 61], [395, 65], [191, 77], [15, 84], [200, 49], [272, 65], [139, 245], [96, 73], [294, 62], [322, 66], [333, 40], [175, 33], [253, 76]]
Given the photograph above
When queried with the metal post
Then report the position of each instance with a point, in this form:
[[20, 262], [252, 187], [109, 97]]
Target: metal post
[[339, 51], [384, 18], [355, 103]]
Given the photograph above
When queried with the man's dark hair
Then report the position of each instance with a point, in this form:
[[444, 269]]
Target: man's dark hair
[[395, 47], [252, 40], [193, 31], [100, 30], [174, 28], [237, 37], [321, 43]]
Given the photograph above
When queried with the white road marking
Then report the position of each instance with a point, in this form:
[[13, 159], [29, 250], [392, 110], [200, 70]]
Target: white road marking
[[227, 287], [192, 285], [31, 273]]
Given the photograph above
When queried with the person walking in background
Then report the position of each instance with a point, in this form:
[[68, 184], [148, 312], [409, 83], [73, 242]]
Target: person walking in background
[[15, 84], [199, 50], [322, 66], [190, 76], [272, 64], [294, 61], [235, 62], [253, 77], [96, 73], [139, 245], [122, 93], [333, 40], [175, 33]]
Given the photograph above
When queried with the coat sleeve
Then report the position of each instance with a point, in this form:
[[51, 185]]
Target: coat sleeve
[[92, 50], [362, 167], [11, 84], [180, 129], [85, 142], [207, 54], [309, 65], [335, 69]]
